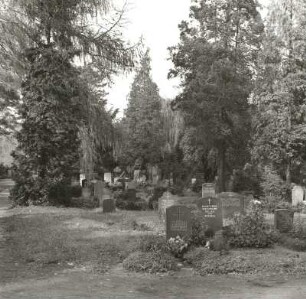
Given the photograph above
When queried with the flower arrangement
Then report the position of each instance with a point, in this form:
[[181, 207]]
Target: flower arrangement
[[177, 246]]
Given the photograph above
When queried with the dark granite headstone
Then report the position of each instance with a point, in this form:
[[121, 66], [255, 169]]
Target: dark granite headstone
[[108, 205], [212, 212], [178, 222], [98, 191], [283, 220]]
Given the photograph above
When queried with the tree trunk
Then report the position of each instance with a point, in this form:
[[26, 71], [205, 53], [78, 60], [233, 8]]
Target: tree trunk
[[221, 170]]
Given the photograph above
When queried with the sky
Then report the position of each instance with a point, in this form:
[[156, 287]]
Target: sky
[[157, 22]]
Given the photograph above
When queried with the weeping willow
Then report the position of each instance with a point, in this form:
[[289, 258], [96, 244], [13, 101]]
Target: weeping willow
[[173, 126]]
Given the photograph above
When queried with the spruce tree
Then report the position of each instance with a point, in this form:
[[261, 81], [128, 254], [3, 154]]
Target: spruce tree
[[144, 138]]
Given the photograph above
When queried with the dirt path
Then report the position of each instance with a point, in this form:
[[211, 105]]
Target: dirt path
[[118, 284]]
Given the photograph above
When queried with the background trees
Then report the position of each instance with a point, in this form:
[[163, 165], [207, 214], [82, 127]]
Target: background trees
[[279, 126], [215, 58], [55, 101]]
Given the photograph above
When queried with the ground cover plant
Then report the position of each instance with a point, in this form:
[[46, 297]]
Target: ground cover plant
[[242, 261]]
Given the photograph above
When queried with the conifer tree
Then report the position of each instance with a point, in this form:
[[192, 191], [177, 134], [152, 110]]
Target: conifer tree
[[143, 119]]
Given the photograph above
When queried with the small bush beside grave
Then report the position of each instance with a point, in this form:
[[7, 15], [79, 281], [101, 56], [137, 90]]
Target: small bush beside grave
[[250, 230], [125, 202]]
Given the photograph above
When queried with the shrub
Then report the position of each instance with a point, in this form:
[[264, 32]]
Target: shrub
[[198, 233], [271, 203], [273, 186], [3, 171], [250, 230], [76, 191], [153, 243], [298, 230], [157, 193], [138, 205], [293, 243], [123, 202], [152, 262]]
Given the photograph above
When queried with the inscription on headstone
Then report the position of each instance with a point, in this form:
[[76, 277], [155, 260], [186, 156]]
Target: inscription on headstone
[[212, 212], [208, 190], [283, 220], [108, 205], [178, 222]]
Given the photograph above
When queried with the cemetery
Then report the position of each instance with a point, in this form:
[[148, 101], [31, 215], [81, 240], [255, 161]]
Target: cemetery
[[152, 143], [215, 234]]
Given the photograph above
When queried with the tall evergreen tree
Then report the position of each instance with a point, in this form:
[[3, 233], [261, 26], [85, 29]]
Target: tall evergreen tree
[[56, 101], [215, 59], [144, 138]]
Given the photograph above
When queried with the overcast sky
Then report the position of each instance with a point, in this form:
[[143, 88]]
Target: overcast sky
[[157, 21]]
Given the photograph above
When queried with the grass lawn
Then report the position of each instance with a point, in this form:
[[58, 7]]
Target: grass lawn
[[41, 241]]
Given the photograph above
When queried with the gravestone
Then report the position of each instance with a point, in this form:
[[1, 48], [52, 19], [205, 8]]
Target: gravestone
[[297, 195], [98, 191], [108, 205], [232, 203], [212, 212], [108, 177], [82, 178], [167, 200], [130, 185], [208, 190], [283, 220], [178, 222]]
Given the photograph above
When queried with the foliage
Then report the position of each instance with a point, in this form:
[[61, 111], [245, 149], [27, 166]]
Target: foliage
[[48, 141], [217, 51], [143, 134], [250, 230], [248, 179], [157, 194], [198, 232], [177, 246], [293, 243], [59, 107], [273, 186], [211, 262], [3, 171], [76, 191], [151, 262], [153, 243], [124, 202], [279, 124]]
